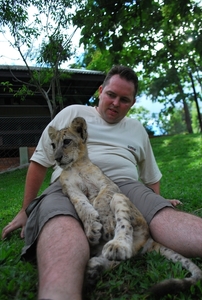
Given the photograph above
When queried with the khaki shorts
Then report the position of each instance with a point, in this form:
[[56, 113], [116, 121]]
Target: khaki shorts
[[53, 203]]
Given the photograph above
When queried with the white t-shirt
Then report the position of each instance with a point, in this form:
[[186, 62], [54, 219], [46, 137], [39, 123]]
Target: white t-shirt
[[121, 150]]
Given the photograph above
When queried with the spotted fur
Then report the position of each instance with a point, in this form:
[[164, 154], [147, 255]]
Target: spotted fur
[[115, 228]]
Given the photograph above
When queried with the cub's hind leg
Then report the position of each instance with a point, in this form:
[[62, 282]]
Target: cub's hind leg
[[131, 232], [96, 266]]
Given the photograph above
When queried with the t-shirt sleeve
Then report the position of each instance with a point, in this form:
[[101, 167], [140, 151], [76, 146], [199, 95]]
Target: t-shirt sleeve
[[149, 172], [43, 153]]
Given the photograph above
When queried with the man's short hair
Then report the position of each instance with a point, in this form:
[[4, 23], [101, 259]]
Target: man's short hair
[[124, 72]]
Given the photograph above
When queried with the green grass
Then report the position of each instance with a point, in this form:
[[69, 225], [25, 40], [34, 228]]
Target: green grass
[[180, 160]]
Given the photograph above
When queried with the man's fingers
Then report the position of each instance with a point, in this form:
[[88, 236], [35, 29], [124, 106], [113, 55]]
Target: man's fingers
[[22, 232], [8, 229], [175, 202]]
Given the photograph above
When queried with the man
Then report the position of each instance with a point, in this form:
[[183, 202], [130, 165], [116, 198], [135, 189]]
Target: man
[[120, 146]]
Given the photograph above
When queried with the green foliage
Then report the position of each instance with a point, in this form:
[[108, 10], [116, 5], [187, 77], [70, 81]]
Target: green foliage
[[143, 115], [174, 123], [195, 120], [12, 191], [94, 59], [180, 160], [55, 51], [38, 31], [7, 86], [18, 278], [132, 279], [23, 92], [160, 39]]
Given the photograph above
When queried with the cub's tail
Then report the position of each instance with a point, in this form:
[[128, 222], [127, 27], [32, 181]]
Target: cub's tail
[[172, 286]]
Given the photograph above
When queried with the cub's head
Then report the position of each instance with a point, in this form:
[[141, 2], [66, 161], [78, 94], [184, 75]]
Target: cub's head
[[69, 144]]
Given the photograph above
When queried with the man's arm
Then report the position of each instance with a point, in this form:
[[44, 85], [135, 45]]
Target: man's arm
[[155, 187], [34, 179]]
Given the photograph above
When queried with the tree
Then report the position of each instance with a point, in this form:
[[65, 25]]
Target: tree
[[161, 39], [94, 59], [173, 123], [143, 115], [194, 117], [196, 101], [39, 33]]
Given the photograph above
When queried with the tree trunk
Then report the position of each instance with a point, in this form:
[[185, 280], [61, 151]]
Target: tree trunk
[[196, 101], [187, 116], [186, 110]]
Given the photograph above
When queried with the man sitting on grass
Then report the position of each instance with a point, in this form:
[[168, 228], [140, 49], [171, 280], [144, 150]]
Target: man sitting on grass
[[121, 148]]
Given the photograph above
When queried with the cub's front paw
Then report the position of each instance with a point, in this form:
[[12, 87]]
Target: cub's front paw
[[93, 230], [117, 250]]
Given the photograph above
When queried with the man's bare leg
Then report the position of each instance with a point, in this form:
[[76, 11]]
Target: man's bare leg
[[62, 255], [179, 231]]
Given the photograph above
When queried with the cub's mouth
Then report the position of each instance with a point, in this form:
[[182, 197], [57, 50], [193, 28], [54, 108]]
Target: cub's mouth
[[66, 163]]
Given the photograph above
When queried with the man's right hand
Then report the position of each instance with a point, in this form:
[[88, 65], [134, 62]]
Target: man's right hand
[[18, 222]]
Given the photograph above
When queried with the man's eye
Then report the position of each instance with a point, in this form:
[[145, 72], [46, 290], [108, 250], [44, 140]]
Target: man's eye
[[111, 95], [66, 142], [53, 146], [124, 100]]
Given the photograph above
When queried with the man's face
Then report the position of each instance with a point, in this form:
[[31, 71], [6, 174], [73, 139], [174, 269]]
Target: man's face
[[115, 99]]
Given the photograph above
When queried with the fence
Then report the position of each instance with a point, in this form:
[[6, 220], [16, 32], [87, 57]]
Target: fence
[[18, 132]]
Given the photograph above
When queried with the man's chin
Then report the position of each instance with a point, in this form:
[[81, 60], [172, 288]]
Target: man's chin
[[112, 120]]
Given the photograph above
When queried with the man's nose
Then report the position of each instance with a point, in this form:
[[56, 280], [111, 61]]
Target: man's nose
[[116, 101]]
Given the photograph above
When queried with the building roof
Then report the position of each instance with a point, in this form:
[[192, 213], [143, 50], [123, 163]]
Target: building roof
[[78, 87], [24, 68]]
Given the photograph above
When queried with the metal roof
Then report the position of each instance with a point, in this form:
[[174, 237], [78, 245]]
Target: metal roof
[[24, 68], [77, 88]]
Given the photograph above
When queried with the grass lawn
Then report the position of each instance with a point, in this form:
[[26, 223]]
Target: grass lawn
[[180, 160]]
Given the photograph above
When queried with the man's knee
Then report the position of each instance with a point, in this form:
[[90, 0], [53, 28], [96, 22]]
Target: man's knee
[[161, 219], [63, 223]]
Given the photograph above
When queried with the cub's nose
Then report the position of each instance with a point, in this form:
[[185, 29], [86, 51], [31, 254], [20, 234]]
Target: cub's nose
[[58, 159]]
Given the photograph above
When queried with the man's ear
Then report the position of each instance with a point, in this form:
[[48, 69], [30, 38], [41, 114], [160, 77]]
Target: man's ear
[[100, 89]]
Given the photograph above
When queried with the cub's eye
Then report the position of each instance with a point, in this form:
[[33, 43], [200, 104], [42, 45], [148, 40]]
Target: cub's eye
[[53, 146], [66, 142]]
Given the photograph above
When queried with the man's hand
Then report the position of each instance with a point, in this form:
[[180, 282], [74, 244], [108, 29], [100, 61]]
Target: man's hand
[[18, 222], [175, 202]]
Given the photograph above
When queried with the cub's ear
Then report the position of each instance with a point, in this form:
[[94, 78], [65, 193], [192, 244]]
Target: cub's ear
[[79, 127], [52, 132]]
